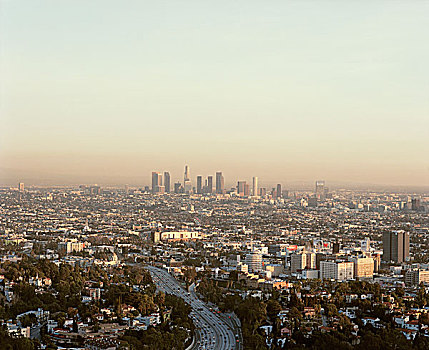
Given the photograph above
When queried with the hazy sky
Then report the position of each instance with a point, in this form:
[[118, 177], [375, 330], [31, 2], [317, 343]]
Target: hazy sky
[[107, 91]]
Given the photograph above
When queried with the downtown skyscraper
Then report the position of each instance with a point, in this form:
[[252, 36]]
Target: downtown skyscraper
[[210, 184], [187, 184], [167, 182], [241, 188], [199, 184], [156, 182], [255, 186], [279, 191], [320, 190], [220, 183]]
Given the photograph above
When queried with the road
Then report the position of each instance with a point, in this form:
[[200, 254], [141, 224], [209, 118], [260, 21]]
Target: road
[[211, 331]]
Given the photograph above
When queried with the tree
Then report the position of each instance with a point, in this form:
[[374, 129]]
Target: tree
[[330, 310], [273, 309]]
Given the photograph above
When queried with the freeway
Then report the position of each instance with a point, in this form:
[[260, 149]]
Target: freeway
[[211, 331]]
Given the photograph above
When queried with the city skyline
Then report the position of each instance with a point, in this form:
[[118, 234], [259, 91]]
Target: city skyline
[[229, 182], [228, 175], [289, 91]]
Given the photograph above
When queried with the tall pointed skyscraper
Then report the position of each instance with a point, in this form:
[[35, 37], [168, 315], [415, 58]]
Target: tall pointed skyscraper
[[187, 184]]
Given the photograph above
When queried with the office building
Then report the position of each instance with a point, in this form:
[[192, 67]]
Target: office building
[[210, 184], [415, 204], [396, 246], [155, 236], [279, 191], [69, 247], [335, 248], [199, 184], [187, 184], [366, 245], [297, 262], [377, 261], [363, 267], [220, 183], [338, 270], [414, 277], [187, 175], [21, 187], [167, 182], [254, 262], [320, 257], [275, 269], [246, 190], [156, 181], [310, 274], [241, 187], [301, 261], [178, 188], [320, 190], [255, 186], [95, 190]]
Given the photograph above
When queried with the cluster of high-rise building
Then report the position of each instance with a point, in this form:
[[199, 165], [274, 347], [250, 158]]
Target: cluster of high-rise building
[[186, 186], [206, 186], [202, 186], [157, 183]]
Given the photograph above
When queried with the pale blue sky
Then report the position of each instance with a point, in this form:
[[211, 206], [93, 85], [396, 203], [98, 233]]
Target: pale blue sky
[[287, 90]]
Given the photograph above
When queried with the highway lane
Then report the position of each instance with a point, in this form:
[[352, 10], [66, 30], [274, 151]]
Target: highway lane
[[211, 331]]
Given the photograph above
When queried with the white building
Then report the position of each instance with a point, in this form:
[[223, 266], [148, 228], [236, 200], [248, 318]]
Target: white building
[[363, 267], [180, 236], [254, 261], [70, 247], [309, 274], [338, 270]]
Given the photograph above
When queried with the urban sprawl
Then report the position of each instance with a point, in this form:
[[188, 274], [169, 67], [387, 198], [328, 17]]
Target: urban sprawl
[[194, 265]]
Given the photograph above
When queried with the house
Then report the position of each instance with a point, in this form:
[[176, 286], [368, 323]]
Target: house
[[412, 325], [283, 315], [350, 312], [309, 312], [401, 321], [17, 332], [285, 332], [375, 322]]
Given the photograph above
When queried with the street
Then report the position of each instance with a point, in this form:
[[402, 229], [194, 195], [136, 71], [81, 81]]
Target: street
[[211, 331]]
